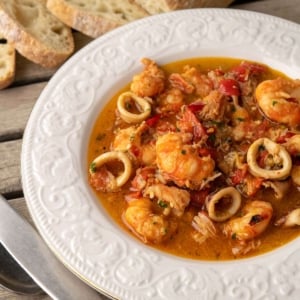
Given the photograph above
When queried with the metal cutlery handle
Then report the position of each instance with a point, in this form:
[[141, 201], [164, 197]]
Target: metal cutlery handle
[[31, 252]]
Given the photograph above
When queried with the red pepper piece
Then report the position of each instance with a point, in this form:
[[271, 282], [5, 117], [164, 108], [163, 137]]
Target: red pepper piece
[[229, 87]]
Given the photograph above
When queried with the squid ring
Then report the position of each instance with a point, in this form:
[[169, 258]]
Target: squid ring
[[274, 149], [110, 157], [229, 211], [142, 103]]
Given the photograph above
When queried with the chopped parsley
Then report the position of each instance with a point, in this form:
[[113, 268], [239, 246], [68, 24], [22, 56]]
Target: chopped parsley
[[240, 119], [93, 167], [162, 204]]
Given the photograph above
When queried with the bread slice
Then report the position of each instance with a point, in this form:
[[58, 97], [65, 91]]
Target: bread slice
[[95, 17], [7, 63], [35, 32], [160, 6]]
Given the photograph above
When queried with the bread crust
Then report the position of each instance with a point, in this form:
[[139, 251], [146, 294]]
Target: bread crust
[[31, 46], [7, 64], [170, 5], [87, 22], [82, 21]]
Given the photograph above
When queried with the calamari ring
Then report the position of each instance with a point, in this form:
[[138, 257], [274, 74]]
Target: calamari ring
[[142, 103], [110, 157], [220, 216], [274, 149]]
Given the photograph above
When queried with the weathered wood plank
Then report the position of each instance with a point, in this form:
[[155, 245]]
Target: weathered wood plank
[[15, 107], [28, 72], [10, 176], [19, 204], [289, 10]]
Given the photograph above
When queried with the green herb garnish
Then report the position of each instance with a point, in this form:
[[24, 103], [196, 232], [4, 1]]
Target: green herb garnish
[[93, 167], [162, 204]]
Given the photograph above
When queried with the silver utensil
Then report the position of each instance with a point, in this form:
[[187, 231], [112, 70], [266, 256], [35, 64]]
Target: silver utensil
[[14, 278], [29, 250]]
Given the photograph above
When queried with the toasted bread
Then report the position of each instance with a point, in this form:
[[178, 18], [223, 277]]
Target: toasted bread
[[160, 6], [35, 32], [7, 63], [95, 17]]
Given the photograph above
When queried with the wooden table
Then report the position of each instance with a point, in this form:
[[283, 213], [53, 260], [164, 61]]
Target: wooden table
[[17, 102]]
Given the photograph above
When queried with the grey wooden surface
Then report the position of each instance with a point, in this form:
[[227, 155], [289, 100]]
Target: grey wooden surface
[[17, 101]]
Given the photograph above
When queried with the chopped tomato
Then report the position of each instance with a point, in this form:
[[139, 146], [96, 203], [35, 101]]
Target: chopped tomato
[[262, 158], [243, 71], [135, 150], [198, 197], [293, 100], [229, 87], [196, 106], [284, 138], [100, 178], [153, 120], [189, 123], [239, 175]]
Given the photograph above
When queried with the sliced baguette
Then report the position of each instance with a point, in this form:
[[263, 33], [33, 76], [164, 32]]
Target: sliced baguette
[[160, 6], [35, 32], [95, 17], [7, 63]]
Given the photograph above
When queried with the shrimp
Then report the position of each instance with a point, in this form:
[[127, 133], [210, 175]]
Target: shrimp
[[171, 101], [171, 198], [256, 216], [137, 141], [149, 226], [279, 100], [180, 162], [192, 81], [150, 82]]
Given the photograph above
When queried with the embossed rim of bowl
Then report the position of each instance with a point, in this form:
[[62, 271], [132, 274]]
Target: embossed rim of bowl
[[54, 166]]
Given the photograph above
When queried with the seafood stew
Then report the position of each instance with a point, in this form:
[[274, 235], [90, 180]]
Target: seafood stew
[[200, 158]]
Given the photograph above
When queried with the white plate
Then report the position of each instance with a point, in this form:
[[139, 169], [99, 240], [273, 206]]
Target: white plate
[[54, 159]]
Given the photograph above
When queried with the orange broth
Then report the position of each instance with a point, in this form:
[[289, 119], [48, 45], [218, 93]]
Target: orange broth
[[182, 244]]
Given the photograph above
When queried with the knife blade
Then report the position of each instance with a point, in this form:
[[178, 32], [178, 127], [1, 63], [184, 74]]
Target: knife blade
[[30, 251]]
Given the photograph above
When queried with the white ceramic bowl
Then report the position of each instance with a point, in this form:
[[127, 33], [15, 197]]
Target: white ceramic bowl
[[54, 159]]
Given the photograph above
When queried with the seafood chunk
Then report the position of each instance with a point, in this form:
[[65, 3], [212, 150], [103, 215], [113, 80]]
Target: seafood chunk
[[279, 162], [149, 226], [169, 197], [279, 100], [191, 80], [104, 180], [180, 162], [128, 99], [256, 216], [138, 141], [224, 204], [204, 227], [150, 82], [290, 220]]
